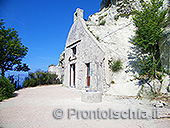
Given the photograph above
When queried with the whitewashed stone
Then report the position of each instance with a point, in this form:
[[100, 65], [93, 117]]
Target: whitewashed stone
[[87, 51]]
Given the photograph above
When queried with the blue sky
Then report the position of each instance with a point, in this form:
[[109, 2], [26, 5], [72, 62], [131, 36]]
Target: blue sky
[[43, 26]]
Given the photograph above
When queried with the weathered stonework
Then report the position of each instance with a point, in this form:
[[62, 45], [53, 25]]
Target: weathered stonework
[[87, 52], [78, 14]]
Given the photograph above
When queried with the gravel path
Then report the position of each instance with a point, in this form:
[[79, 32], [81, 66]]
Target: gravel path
[[33, 108]]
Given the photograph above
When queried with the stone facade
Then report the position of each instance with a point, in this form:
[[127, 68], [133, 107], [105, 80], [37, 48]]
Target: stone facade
[[84, 58]]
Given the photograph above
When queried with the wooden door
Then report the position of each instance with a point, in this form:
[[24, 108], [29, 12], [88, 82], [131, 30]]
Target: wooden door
[[72, 75], [88, 74]]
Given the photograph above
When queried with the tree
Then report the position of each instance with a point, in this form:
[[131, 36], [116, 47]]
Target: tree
[[12, 51], [149, 22]]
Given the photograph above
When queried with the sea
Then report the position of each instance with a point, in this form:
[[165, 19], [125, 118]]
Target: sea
[[19, 77]]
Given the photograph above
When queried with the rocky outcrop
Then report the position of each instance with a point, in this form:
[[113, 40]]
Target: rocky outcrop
[[106, 3], [165, 44], [59, 69], [124, 8], [61, 59], [165, 49], [114, 37]]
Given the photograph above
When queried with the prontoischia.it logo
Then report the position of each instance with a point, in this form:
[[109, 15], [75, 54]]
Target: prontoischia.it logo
[[104, 114]]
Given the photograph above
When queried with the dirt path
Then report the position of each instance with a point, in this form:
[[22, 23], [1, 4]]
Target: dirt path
[[33, 108]]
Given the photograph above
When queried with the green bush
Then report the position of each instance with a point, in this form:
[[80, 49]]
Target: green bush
[[58, 81], [32, 83], [41, 78], [101, 17], [102, 22], [26, 82], [115, 65], [6, 88], [112, 82], [97, 38]]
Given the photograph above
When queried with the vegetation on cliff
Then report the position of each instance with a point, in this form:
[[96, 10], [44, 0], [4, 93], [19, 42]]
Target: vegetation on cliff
[[150, 23]]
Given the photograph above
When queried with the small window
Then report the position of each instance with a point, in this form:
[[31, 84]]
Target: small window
[[88, 69], [76, 14], [74, 50]]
